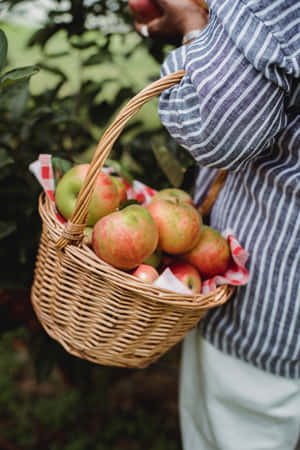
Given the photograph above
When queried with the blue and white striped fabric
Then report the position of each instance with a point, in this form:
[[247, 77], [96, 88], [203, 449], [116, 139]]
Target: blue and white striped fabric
[[238, 108]]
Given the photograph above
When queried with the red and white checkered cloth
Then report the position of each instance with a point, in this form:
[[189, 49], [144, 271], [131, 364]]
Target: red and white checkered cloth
[[43, 171], [236, 275]]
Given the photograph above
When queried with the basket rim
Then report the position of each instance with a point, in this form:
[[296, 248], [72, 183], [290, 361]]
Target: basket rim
[[79, 251]]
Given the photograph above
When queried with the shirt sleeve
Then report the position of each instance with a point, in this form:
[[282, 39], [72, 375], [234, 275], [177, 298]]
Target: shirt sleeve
[[224, 111]]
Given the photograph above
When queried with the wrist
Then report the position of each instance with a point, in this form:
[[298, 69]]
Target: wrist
[[194, 26], [190, 36]]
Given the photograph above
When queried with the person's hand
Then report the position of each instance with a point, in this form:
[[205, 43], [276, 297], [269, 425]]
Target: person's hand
[[178, 18]]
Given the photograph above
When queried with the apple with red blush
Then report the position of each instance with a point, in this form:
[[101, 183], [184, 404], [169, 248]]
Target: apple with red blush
[[211, 255], [179, 225], [146, 273], [105, 198], [175, 194], [125, 238], [188, 275], [144, 10]]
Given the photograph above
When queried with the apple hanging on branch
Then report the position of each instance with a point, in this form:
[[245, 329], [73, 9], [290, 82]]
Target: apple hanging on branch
[[144, 10]]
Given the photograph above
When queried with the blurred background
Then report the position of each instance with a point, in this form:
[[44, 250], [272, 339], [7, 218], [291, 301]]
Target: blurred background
[[67, 67]]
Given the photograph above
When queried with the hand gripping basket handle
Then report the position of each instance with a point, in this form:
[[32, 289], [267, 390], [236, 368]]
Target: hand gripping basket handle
[[73, 231]]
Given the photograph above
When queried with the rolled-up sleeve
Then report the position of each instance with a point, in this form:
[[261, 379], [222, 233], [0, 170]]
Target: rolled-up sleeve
[[224, 111]]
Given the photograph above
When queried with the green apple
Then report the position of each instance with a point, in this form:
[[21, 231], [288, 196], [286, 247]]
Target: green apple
[[88, 232], [154, 259], [105, 198]]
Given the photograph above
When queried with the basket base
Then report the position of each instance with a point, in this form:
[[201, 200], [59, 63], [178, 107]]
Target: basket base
[[134, 358]]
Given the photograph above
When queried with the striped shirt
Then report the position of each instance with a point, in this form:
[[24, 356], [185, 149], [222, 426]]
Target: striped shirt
[[237, 109]]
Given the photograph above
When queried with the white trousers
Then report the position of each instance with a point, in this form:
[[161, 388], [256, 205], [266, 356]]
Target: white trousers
[[227, 404]]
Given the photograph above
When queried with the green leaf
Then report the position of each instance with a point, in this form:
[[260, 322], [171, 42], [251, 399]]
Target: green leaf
[[7, 228], [60, 167], [96, 59], [119, 169], [57, 54], [40, 37], [3, 49], [82, 45], [168, 163], [52, 69], [131, 164], [15, 98], [13, 76]]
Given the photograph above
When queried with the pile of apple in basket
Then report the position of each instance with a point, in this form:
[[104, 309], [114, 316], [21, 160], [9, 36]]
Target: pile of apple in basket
[[162, 231]]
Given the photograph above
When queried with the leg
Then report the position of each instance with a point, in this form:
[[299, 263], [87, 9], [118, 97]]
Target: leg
[[227, 404]]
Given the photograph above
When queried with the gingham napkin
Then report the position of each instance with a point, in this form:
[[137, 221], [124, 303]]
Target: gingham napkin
[[137, 190], [43, 171], [236, 275]]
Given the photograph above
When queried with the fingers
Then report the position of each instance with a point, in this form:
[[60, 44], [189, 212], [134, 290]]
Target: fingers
[[156, 26], [152, 28], [177, 19], [160, 3], [142, 29]]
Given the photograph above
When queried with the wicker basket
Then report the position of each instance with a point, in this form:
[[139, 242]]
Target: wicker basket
[[93, 310]]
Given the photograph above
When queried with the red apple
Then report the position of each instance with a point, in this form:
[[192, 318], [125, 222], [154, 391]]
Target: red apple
[[121, 189], [146, 273], [166, 261], [211, 255], [179, 225], [188, 275], [144, 10], [173, 194], [105, 197], [125, 238]]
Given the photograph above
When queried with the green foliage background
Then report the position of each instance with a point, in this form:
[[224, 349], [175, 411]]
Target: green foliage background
[[57, 96], [85, 75]]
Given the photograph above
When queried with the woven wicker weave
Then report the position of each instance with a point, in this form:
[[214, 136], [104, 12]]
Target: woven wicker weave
[[95, 311]]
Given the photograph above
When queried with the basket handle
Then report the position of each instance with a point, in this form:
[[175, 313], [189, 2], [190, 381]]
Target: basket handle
[[73, 231], [213, 192]]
